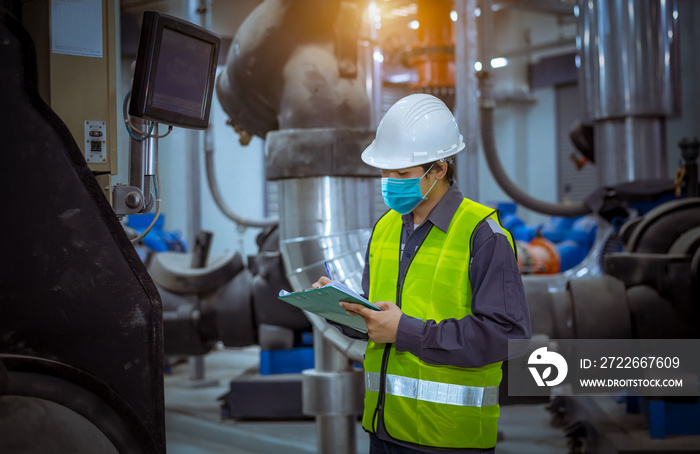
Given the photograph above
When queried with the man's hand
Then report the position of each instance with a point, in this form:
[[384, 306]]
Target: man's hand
[[381, 326], [323, 280]]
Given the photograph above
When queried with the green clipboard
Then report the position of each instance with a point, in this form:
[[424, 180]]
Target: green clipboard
[[324, 301]]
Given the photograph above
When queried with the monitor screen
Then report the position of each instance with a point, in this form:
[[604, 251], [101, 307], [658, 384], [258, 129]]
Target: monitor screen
[[175, 71]]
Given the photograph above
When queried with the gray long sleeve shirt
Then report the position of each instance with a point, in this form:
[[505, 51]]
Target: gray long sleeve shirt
[[499, 308]]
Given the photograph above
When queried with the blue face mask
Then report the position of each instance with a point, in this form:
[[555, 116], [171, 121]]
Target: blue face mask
[[403, 194]]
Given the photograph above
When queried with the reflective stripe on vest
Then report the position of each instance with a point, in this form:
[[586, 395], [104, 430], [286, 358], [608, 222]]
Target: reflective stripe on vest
[[432, 391]]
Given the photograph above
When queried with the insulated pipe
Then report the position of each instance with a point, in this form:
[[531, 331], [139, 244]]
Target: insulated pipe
[[466, 107], [216, 194], [352, 348], [331, 392], [629, 79], [292, 67], [499, 173]]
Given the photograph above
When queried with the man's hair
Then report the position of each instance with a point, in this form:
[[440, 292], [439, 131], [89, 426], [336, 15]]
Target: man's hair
[[450, 168]]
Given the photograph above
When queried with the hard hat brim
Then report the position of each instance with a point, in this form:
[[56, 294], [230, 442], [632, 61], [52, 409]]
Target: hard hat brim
[[372, 158]]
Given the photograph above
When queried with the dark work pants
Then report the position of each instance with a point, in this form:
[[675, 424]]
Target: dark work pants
[[377, 446]]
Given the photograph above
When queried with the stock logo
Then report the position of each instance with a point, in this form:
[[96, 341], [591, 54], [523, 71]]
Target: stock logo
[[553, 359]]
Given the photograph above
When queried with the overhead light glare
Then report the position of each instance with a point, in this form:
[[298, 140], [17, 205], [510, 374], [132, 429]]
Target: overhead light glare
[[373, 10], [399, 78], [499, 62], [454, 16], [413, 25]]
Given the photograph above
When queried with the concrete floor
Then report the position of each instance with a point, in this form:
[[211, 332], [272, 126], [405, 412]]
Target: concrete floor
[[194, 425]]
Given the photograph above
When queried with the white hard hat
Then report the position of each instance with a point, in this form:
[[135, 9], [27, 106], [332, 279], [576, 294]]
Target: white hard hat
[[416, 130]]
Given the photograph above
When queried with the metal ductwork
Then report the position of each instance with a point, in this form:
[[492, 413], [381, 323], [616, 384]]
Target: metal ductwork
[[629, 83], [313, 90], [294, 66]]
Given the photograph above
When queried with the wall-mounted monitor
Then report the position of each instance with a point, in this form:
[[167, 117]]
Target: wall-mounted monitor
[[175, 71]]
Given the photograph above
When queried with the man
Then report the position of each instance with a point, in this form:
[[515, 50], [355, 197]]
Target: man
[[444, 273]]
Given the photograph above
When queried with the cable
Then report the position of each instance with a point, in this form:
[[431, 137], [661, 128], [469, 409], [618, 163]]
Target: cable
[[170, 128], [155, 217], [148, 229], [129, 127], [218, 199], [499, 173]]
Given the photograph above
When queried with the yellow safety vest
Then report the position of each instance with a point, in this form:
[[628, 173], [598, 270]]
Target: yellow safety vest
[[429, 405]]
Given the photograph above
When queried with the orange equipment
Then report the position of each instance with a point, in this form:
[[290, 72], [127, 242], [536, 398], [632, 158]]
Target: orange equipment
[[433, 56], [539, 256]]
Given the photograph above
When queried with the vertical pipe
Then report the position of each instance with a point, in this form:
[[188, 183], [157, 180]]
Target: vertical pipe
[[137, 154], [373, 65], [199, 12], [466, 97], [629, 63], [143, 158], [334, 433], [151, 158], [333, 224], [486, 29], [485, 48]]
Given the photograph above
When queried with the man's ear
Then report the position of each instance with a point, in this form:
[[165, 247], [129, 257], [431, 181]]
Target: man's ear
[[440, 169]]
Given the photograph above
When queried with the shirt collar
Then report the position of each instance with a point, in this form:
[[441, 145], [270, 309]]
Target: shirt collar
[[441, 215]]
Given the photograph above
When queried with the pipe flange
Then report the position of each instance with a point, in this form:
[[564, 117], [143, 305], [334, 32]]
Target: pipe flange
[[317, 152], [332, 393]]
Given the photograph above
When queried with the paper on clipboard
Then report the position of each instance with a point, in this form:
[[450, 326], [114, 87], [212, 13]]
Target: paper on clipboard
[[324, 301]]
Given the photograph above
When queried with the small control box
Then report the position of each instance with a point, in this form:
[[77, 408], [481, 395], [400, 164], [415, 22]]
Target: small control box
[[95, 141]]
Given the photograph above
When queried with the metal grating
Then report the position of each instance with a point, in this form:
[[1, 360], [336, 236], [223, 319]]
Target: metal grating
[[573, 184]]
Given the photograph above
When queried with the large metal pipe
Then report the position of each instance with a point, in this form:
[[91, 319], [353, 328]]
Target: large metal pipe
[[629, 59], [332, 223], [630, 148], [293, 67], [327, 219]]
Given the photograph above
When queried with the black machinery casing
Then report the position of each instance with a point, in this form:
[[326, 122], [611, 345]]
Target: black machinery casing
[[80, 319]]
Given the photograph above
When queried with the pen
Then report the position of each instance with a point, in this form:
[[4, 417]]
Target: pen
[[328, 270]]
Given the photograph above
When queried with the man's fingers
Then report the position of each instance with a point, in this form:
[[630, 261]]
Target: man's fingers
[[384, 305], [323, 280], [356, 309]]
